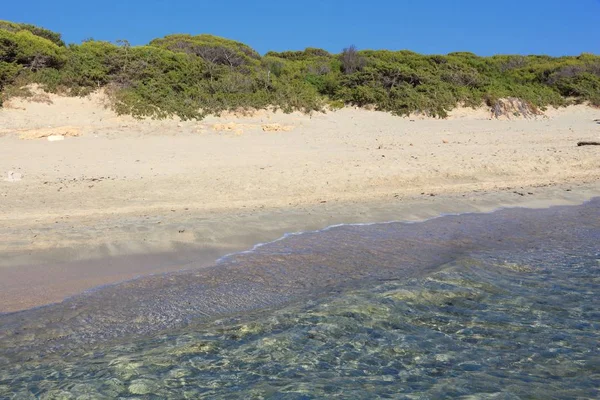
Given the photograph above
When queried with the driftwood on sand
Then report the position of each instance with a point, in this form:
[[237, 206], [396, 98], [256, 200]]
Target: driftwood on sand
[[588, 144]]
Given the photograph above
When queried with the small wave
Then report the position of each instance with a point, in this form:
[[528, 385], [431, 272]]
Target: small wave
[[294, 267]]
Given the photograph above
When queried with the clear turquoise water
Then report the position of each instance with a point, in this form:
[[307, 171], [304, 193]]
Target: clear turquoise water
[[501, 306]]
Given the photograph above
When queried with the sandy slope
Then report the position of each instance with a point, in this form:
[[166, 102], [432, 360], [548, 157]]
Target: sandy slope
[[116, 186]]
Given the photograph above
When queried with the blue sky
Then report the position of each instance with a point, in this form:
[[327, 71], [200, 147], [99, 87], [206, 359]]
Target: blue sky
[[435, 27]]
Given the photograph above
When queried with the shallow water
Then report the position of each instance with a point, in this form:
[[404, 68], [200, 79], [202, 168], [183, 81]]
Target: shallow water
[[499, 306]]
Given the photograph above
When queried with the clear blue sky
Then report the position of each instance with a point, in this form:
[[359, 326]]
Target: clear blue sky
[[555, 27]]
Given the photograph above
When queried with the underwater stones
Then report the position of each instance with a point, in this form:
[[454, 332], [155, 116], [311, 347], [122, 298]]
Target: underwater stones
[[178, 373], [142, 386], [245, 330], [57, 395], [402, 295], [517, 267], [268, 342], [192, 394], [125, 368], [470, 366], [78, 391], [194, 348], [112, 387]]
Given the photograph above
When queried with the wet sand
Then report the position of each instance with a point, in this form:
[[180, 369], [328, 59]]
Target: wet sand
[[52, 275]]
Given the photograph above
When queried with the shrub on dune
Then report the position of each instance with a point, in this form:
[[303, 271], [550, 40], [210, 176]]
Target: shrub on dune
[[191, 76]]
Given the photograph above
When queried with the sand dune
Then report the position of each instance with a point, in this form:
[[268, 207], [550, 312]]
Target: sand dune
[[202, 189]]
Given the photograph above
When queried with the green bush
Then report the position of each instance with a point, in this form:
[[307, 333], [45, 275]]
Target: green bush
[[88, 66], [8, 74], [191, 76], [306, 54], [212, 49], [154, 82], [31, 51], [41, 32]]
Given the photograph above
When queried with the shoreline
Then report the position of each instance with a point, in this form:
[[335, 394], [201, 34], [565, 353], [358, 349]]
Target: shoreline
[[116, 198], [39, 284], [306, 266]]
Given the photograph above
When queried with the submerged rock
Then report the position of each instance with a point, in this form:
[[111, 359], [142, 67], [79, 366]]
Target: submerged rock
[[142, 386]]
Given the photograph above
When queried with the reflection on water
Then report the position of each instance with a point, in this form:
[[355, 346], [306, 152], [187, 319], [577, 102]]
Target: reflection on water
[[517, 319]]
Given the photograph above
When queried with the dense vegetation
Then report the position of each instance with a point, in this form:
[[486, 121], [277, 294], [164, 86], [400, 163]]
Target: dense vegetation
[[190, 76]]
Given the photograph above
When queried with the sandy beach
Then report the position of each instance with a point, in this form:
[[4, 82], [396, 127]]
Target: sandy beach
[[90, 198]]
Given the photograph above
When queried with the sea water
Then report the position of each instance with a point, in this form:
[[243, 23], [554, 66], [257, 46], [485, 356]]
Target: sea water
[[496, 306]]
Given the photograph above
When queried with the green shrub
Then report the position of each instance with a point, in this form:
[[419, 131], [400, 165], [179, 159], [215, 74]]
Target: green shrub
[[191, 76], [31, 51], [88, 66], [306, 54], [37, 31], [8, 74], [154, 82], [212, 49]]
